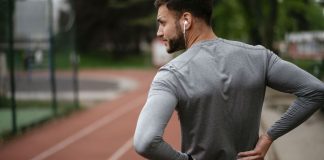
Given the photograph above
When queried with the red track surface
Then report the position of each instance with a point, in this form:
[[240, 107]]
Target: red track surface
[[103, 132]]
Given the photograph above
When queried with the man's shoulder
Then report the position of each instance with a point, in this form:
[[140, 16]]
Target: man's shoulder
[[241, 49], [178, 62], [165, 72], [243, 45]]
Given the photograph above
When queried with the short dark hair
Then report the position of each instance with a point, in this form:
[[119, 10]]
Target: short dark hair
[[199, 8]]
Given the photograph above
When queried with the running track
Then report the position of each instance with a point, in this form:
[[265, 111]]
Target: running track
[[103, 132]]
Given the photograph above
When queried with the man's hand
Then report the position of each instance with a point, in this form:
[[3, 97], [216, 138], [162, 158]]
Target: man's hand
[[259, 151]]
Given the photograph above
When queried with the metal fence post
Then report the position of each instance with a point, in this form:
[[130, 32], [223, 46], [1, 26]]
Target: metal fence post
[[52, 59], [11, 56], [75, 60], [75, 79]]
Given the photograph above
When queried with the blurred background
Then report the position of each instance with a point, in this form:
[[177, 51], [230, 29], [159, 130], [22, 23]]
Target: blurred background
[[46, 44]]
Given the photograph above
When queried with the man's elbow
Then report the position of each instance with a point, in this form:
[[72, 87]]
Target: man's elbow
[[140, 147], [320, 93], [143, 145], [315, 93]]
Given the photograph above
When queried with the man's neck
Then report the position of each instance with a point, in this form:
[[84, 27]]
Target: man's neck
[[199, 32]]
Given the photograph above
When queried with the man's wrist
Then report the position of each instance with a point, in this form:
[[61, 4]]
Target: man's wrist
[[267, 137]]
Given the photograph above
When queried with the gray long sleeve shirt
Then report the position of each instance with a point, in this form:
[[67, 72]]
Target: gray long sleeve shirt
[[218, 89]]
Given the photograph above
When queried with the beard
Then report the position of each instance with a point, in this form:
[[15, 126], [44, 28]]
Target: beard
[[178, 42]]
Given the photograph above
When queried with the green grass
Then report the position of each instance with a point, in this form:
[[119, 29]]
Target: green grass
[[30, 114], [88, 60], [100, 60], [25, 117], [97, 61], [4, 102]]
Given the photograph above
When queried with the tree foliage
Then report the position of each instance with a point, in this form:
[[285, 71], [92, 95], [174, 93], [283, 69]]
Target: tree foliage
[[120, 25], [299, 15], [263, 21], [116, 25]]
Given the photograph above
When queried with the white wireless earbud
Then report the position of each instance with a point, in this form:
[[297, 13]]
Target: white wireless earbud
[[184, 26], [184, 31]]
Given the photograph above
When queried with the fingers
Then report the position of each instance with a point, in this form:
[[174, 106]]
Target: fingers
[[250, 155], [256, 157], [247, 153]]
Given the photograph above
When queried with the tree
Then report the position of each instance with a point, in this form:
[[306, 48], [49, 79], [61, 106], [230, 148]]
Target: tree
[[120, 25], [299, 15], [228, 20], [114, 24], [265, 21], [252, 21], [261, 15]]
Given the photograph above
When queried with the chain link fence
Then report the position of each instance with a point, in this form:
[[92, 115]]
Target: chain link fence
[[38, 63]]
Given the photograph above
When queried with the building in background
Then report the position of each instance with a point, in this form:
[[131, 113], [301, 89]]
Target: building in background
[[305, 45]]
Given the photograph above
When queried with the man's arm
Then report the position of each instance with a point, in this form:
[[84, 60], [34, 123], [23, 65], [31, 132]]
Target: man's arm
[[286, 77], [154, 117]]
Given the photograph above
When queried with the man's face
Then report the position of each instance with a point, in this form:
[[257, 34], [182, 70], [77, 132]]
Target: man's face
[[169, 30]]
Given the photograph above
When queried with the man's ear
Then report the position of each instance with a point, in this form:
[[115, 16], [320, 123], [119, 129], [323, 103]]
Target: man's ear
[[187, 20]]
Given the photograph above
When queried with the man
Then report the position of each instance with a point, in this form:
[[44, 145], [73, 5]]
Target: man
[[217, 87]]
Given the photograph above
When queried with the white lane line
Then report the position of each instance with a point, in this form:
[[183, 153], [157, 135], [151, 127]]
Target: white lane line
[[91, 128], [122, 150]]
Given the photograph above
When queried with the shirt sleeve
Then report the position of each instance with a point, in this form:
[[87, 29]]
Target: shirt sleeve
[[154, 117], [286, 77]]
